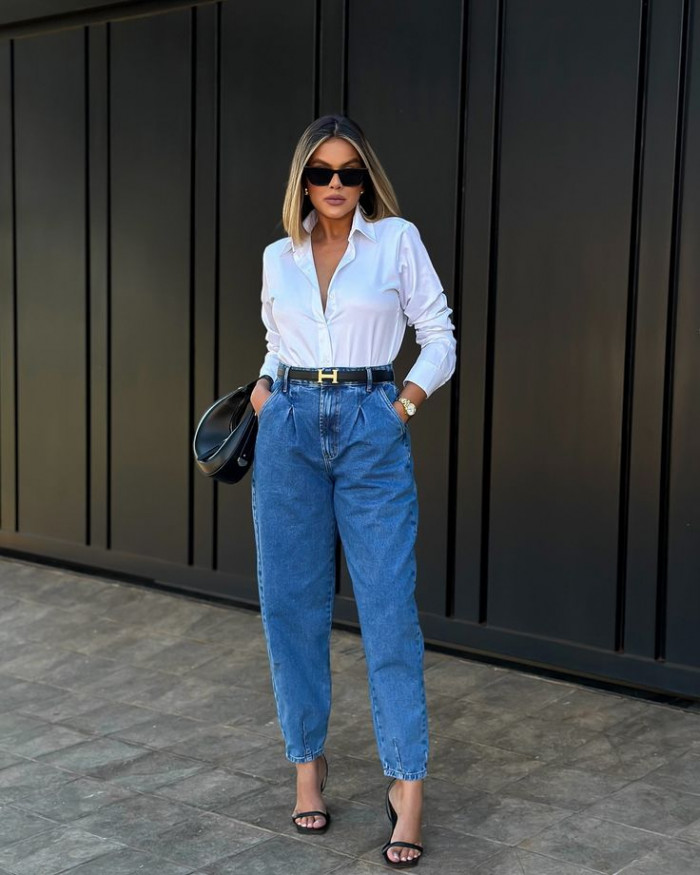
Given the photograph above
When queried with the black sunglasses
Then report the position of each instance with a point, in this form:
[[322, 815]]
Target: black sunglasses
[[323, 175]]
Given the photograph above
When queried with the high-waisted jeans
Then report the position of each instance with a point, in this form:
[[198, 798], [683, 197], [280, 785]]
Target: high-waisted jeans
[[335, 459]]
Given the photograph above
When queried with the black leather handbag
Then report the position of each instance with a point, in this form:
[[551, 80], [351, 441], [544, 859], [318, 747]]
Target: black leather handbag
[[224, 441]]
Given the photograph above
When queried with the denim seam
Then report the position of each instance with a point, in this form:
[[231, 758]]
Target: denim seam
[[326, 453], [305, 739], [423, 703], [330, 598], [307, 758], [375, 709], [329, 612], [261, 594], [398, 754], [405, 776]]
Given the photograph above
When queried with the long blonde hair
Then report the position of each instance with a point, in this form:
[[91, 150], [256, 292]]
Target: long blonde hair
[[378, 199]]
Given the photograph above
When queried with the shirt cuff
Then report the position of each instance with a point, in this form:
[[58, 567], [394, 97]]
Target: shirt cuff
[[425, 375], [269, 367]]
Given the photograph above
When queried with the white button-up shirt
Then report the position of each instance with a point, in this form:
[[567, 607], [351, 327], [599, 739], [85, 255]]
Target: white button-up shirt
[[384, 281]]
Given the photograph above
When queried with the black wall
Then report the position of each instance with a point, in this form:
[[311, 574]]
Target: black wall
[[548, 152]]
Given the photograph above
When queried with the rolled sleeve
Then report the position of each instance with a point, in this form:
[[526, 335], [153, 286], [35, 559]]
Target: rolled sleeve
[[427, 311], [272, 337]]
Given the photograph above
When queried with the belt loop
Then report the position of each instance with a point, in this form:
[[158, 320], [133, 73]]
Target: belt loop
[[285, 378], [369, 379]]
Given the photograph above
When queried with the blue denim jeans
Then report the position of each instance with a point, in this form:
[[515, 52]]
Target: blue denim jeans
[[335, 459]]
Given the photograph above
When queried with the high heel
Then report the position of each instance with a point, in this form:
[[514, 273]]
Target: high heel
[[325, 777], [393, 817], [313, 830]]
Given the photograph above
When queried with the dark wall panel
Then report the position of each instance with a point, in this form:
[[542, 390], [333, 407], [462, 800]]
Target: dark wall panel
[[150, 181], [50, 269], [8, 492], [259, 129], [206, 178], [649, 311], [564, 216], [403, 85], [98, 281], [478, 235], [683, 582]]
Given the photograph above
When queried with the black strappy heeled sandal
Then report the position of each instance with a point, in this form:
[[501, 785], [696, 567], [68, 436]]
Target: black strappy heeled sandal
[[393, 817], [313, 830]]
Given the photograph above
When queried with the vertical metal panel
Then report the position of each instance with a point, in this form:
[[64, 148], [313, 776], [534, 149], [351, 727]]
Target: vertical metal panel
[[259, 130], [8, 467], [150, 285], [650, 328], [332, 54], [480, 166], [206, 179], [563, 244], [51, 285], [683, 556], [404, 88], [98, 275]]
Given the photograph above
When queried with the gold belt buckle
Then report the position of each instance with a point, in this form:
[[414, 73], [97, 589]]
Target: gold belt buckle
[[333, 376]]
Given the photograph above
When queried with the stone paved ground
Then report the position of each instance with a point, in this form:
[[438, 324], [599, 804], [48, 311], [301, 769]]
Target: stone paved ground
[[138, 734]]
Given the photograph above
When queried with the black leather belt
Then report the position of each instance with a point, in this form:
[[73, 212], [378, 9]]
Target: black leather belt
[[336, 375]]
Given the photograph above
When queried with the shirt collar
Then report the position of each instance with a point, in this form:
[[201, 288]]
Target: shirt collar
[[359, 223]]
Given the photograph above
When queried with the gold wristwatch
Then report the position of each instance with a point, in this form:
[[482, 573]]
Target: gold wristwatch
[[408, 405]]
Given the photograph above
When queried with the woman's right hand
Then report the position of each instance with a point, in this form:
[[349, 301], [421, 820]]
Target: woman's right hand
[[261, 392]]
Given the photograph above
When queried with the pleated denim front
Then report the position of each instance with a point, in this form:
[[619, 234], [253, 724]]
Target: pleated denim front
[[336, 460]]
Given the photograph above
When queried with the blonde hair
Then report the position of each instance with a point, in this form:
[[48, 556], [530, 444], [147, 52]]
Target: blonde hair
[[378, 199]]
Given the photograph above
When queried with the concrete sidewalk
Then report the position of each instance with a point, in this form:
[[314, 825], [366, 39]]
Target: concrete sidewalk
[[138, 734]]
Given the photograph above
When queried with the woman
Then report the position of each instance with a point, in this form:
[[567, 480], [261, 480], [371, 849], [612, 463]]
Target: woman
[[333, 457]]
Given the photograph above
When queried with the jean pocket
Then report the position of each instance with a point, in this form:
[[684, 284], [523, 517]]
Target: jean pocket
[[385, 392], [275, 392]]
